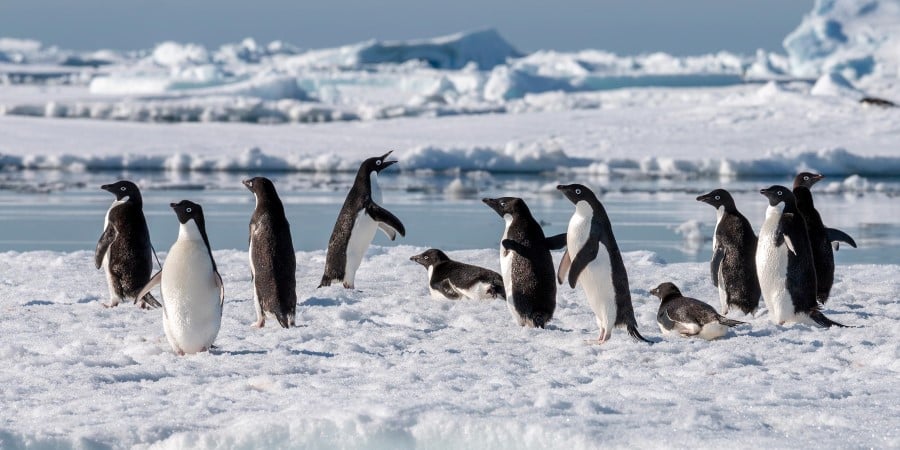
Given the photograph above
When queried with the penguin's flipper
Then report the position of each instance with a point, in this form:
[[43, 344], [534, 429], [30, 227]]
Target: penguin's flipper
[[790, 244], [103, 245], [511, 245], [729, 322], [154, 280], [556, 242], [388, 222], [823, 321], [835, 235], [587, 253], [718, 256], [446, 288], [564, 264], [221, 287]]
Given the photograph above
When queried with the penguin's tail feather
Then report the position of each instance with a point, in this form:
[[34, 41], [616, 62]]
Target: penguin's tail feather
[[284, 320], [823, 321], [148, 301], [635, 334], [326, 281], [730, 322], [539, 319]]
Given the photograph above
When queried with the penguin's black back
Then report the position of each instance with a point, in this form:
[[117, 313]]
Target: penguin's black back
[[533, 274], [130, 253], [336, 258], [465, 276], [736, 237], [801, 271], [823, 254], [685, 310], [274, 261]]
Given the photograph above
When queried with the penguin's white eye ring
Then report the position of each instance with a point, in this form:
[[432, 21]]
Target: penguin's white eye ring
[[424, 257], [503, 204], [188, 209], [378, 162], [122, 188], [718, 198], [577, 191], [806, 178], [779, 193]]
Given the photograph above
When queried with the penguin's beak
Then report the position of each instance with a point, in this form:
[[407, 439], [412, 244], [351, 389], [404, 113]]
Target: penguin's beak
[[415, 258], [173, 205], [248, 184], [704, 198], [655, 291], [107, 187]]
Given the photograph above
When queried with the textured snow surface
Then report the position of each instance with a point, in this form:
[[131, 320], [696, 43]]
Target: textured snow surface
[[387, 367]]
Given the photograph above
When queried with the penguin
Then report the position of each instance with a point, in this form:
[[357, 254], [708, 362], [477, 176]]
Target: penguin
[[448, 279], [124, 250], [526, 264], [733, 263], [784, 263], [685, 316], [273, 264], [355, 227], [820, 237], [592, 258], [192, 290]]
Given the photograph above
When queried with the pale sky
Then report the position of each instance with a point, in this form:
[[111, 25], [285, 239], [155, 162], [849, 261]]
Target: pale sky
[[681, 27]]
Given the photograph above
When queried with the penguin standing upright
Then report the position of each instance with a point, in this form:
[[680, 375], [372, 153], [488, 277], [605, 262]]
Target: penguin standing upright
[[192, 289], [733, 264], [592, 258], [784, 263], [124, 248], [820, 237], [273, 264], [688, 316], [355, 227], [454, 280], [526, 264]]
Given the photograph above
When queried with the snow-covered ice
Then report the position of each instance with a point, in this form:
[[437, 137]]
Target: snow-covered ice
[[388, 367]]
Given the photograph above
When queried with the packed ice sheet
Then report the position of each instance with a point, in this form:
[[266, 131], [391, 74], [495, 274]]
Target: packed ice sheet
[[385, 366]]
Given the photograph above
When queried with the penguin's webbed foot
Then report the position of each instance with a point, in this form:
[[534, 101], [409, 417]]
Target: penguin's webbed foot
[[112, 303], [348, 285], [259, 323]]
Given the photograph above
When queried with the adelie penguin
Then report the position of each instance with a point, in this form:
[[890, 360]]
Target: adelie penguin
[[685, 316], [449, 279], [820, 237], [192, 289], [273, 264], [355, 227], [525, 263], [784, 263], [124, 250], [592, 259], [733, 263]]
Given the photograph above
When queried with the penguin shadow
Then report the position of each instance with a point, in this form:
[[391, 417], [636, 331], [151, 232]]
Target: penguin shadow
[[42, 303], [88, 299], [553, 327], [328, 301], [218, 351], [312, 353]]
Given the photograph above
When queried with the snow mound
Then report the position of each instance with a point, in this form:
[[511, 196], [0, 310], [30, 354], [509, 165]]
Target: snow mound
[[835, 85], [852, 37]]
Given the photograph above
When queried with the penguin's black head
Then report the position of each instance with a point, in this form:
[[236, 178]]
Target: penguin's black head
[[122, 189], [717, 198], [506, 205], [187, 210], [259, 185], [777, 194], [430, 257], [577, 193], [376, 164], [666, 290], [807, 179]]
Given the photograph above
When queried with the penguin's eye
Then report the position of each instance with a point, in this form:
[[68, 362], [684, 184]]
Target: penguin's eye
[[188, 209], [806, 178], [122, 188], [425, 257], [502, 204], [378, 162], [718, 198], [577, 191], [779, 193]]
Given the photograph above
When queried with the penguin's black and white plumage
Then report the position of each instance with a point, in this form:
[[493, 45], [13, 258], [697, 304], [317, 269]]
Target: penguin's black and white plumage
[[525, 263], [820, 237], [192, 291], [453, 280], [355, 227], [273, 264], [685, 316], [733, 263], [124, 250], [784, 263], [592, 258]]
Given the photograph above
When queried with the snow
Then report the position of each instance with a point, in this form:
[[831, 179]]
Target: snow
[[388, 367]]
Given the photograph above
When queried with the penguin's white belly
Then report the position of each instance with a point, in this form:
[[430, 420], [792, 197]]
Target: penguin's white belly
[[477, 291], [723, 294], [771, 266], [193, 309], [596, 278], [506, 263], [360, 237], [712, 330]]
